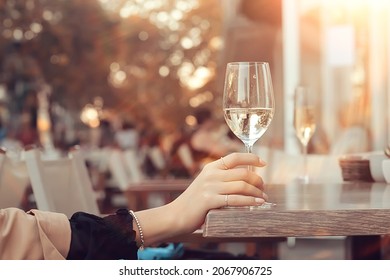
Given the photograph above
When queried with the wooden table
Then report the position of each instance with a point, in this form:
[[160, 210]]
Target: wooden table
[[137, 196], [358, 210]]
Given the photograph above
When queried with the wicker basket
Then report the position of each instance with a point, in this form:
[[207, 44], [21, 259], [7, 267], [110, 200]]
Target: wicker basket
[[355, 168]]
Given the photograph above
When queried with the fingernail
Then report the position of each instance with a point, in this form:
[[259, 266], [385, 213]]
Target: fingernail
[[265, 196], [259, 200], [262, 162]]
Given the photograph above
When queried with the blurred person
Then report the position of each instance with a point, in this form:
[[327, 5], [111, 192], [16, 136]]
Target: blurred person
[[152, 154], [181, 161], [27, 132], [47, 235], [3, 130], [10, 141], [210, 140], [107, 138], [127, 136]]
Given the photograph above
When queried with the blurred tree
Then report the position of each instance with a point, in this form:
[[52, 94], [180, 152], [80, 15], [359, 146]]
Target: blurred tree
[[155, 59], [68, 41]]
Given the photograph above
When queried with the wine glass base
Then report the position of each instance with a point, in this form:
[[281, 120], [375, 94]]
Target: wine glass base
[[265, 205], [304, 179]]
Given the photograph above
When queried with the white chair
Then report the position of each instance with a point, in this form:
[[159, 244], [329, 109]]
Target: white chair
[[127, 174], [185, 154], [124, 167], [118, 170], [132, 164], [86, 186], [14, 180], [157, 157], [61, 185], [125, 170]]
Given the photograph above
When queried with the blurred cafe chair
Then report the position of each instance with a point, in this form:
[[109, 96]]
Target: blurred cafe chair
[[135, 189], [117, 167], [14, 180], [126, 172], [158, 160], [61, 185], [132, 165]]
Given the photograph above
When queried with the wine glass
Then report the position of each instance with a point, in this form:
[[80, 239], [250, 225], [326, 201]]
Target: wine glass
[[304, 122], [248, 101]]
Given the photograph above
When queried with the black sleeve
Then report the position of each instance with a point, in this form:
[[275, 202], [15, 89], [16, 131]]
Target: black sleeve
[[108, 238]]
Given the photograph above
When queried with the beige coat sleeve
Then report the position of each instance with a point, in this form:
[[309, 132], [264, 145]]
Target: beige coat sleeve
[[33, 235]]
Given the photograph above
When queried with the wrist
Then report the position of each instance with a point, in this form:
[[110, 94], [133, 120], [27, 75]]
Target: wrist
[[159, 224], [138, 229]]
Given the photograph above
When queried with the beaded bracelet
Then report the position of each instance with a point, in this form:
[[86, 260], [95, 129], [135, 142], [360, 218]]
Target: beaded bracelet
[[141, 234]]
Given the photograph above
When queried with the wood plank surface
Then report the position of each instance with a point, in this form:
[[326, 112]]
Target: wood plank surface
[[308, 210]]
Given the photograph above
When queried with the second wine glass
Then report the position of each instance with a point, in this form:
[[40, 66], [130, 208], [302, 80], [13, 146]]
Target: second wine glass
[[248, 101], [304, 122]]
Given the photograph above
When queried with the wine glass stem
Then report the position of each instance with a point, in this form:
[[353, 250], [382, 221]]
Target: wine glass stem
[[304, 160], [248, 149]]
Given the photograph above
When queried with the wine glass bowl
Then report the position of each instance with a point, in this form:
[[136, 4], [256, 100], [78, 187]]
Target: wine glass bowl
[[248, 124], [304, 122], [248, 102]]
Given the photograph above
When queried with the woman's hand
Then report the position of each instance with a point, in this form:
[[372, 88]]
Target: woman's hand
[[224, 182]]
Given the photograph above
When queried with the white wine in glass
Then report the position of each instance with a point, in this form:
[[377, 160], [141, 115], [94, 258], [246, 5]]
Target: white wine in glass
[[304, 122], [248, 124], [248, 101]]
